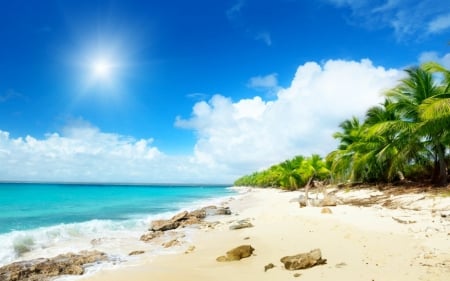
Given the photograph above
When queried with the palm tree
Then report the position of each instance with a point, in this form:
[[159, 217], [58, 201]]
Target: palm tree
[[341, 161], [417, 135]]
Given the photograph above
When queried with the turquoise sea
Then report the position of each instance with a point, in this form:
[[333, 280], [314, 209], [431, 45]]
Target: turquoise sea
[[36, 217]]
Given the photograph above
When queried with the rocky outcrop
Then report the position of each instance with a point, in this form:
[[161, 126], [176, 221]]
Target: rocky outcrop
[[187, 218], [164, 225], [237, 253], [304, 260], [45, 269], [217, 211], [150, 236]]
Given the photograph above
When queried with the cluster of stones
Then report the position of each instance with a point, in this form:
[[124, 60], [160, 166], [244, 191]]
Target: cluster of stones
[[45, 269], [183, 219]]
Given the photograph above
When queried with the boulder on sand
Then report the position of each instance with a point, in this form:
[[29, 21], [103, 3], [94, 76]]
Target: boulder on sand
[[304, 260], [238, 253]]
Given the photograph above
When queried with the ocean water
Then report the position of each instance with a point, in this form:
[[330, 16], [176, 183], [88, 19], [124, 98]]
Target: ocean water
[[48, 219]]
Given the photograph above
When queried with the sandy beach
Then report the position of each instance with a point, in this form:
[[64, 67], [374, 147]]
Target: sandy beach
[[409, 242]]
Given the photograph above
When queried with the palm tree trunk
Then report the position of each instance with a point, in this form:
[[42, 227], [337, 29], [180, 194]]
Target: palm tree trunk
[[441, 166]]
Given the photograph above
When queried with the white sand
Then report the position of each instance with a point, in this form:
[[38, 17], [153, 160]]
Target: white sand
[[359, 243]]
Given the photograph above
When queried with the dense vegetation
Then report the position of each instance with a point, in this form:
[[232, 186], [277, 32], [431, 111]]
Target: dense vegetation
[[406, 137]]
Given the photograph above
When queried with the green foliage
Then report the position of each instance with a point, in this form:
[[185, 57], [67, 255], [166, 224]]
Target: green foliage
[[406, 136], [289, 175]]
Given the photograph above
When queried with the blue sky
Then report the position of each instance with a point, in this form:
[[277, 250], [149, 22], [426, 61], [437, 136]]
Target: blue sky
[[195, 91]]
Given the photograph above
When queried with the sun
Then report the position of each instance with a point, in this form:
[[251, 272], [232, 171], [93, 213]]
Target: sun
[[102, 69]]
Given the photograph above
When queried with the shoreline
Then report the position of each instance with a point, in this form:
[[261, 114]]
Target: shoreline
[[359, 243]]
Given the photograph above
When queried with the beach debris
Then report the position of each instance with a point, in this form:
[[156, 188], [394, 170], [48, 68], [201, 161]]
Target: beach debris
[[150, 236], [241, 224], [238, 253], [340, 265], [190, 249], [404, 221], [135, 253], [297, 275], [329, 200], [171, 243], [303, 260], [269, 266], [45, 269], [326, 210], [302, 201]]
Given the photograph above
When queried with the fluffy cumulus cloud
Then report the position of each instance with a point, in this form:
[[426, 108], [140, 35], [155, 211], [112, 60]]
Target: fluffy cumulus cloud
[[233, 137], [82, 154], [85, 154], [251, 134], [409, 19]]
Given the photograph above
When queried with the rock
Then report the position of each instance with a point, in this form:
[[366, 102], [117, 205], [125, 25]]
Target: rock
[[269, 266], [237, 253], [217, 211], [200, 214], [151, 235], [164, 225], [44, 269], [190, 249], [181, 216], [297, 275], [304, 260], [241, 224], [190, 221], [135, 253], [171, 243], [326, 211]]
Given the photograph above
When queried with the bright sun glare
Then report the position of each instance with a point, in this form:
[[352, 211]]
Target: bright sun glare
[[102, 69]]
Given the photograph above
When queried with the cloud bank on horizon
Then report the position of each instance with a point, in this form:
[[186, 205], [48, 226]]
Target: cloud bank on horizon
[[233, 137]]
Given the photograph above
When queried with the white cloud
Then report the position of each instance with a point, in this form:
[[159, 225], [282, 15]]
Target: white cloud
[[251, 134], [233, 137], [434, 56], [439, 24], [269, 82], [235, 10], [409, 19], [11, 94], [265, 37], [85, 154]]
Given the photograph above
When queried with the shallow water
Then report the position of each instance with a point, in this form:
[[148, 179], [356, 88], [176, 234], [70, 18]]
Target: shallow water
[[47, 219]]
